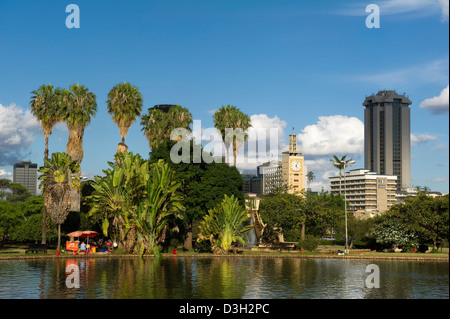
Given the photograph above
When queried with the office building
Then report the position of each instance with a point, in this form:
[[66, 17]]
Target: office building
[[387, 145], [25, 173], [366, 192], [271, 177], [252, 184]]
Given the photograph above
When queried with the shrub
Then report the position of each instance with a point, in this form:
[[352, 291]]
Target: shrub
[[310, 243]]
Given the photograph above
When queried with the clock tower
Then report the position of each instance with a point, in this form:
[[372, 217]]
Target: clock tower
[[293, 167]]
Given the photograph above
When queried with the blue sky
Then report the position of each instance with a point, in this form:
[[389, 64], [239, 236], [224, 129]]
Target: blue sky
[[306, 65]]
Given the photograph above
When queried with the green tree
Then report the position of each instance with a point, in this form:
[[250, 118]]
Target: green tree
[[426, 216], [203, 185], [290, 220], [340, 164], [116, 195], [79, 106], [135, 201], [232, 125], [316, 212], [58, 175], [225, 224], [392, 231], [160, 202], [124, 104], [158, 126], [310, 176], [13, 192], [46, 107]]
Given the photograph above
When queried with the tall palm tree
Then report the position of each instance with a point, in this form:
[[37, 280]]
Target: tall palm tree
[[45, 107], [311, 177], [158, 126], [340, 164], [124, 104], [232, 125], [78, 107], [58, 176]]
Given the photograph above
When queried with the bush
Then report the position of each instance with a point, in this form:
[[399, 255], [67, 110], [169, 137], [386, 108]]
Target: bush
[[310, 243], [203, 246]]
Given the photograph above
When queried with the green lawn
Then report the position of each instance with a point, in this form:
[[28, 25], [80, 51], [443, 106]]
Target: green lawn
[[19, 251]]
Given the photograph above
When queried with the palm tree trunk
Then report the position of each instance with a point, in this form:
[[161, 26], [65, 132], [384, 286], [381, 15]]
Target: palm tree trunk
[[46, 147], [227, 154], [303, 233], [234, 151], [44, 224], [188, 240], [44, 207], [59, 238]]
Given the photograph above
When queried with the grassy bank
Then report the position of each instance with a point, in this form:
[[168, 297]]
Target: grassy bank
[[18, 252]]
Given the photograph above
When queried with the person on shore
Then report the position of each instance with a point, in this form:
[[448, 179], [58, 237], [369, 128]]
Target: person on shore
[[83, 247]]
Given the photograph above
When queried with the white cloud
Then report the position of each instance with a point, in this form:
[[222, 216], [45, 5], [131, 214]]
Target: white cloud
[[5, 174], [430, 72], [421, 138], [440, 147], [412, 8], [18, 129], [440, 179], [322, 169], [330, 135], [337, 134], [444, 5], [266, 141], [438, 104]]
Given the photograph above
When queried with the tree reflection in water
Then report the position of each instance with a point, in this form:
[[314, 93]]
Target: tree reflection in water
[[221, 278]]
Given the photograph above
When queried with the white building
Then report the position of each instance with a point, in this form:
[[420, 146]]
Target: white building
[[367, 193]]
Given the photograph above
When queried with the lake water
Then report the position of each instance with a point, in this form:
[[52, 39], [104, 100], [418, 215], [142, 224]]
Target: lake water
[[225, 277]]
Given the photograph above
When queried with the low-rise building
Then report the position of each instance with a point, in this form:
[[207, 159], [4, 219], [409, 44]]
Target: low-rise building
[[367, 193]]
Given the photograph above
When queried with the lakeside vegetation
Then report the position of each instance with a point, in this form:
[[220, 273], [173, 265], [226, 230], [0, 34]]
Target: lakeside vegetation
[[150, 206]]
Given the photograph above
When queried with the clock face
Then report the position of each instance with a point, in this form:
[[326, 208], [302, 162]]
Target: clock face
[[296, 166]]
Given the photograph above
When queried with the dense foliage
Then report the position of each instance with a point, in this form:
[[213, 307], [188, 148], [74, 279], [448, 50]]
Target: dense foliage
[[309, 213]]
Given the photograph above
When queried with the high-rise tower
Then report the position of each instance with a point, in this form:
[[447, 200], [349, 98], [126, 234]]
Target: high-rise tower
[[387, 136], [25, 173]]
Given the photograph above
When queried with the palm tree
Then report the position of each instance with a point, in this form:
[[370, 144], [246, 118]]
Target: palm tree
[[44, 106], [58, 176], [225, 224], [232, 124], [159, 126], [79, 105], [124, 104], [135, 201], [311, 177], [340, 164], [160, 203]]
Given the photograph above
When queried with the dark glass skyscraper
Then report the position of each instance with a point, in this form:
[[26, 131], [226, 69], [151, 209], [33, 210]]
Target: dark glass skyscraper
[[25, 173], [387, 136]]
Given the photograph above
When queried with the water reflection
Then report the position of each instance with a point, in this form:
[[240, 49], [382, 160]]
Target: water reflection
[[229, 278]]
